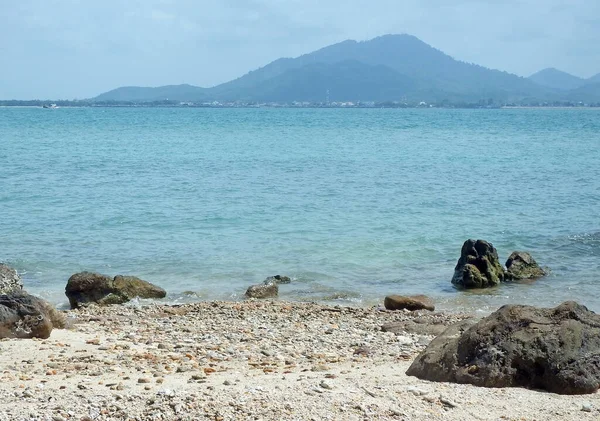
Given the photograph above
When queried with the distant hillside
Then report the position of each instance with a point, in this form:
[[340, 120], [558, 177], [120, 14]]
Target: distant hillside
[[138, 94], [387, 68], [557, 79], [594, 79], [587, 93]]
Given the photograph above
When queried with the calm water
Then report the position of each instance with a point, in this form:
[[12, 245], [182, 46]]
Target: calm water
[[355, 204]]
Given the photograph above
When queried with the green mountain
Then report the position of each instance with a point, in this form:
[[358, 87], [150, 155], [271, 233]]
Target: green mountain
[[557, 79], [387, 68]]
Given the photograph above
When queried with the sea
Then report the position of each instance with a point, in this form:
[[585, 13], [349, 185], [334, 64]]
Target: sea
[[352, 204]]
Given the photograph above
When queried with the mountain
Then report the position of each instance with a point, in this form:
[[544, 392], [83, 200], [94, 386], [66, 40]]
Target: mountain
[[594, 79], [387, 68], [344, 81], [590, 92], [557, 79], [139, 94]]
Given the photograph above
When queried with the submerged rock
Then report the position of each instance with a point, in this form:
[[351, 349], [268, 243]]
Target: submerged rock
[[478, 266], [556, 349], [412, 303], [87, 287], [26, 316], [520, 265], [277, 279], [9, 280], [263, 291]]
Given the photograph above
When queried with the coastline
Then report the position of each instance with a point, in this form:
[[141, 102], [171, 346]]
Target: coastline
[[268, 360]]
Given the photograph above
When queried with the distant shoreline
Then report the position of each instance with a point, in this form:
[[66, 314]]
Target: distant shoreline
[[314, 106]]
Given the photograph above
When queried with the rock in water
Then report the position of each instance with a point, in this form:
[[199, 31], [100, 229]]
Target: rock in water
[[478, 266], [556, 349], [520, 265], [9, 280], [25, 316], [412, 303], [277, 279], [263, 291], [86, 287]]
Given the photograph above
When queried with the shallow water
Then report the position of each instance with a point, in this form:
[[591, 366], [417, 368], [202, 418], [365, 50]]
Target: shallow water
[[352, 203]]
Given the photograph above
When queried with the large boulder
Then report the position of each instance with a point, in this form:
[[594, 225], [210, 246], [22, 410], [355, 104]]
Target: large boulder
[[411, 303], [86, 287], [478, 266], [26, 316], [556, 349], [520, 265], [263, 291], [9, 280]]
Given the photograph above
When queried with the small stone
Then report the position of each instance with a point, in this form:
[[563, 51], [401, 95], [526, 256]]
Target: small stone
[[144, 380], [325, 385], [586, 407], [227, 383], [448, 402]]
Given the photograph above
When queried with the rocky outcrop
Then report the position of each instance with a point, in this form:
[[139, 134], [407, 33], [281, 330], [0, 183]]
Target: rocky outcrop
[[520, 265], [26, 316], [86, 287], [411, 303], [556, 349], [9, 280], [277, 279], [263, 291], [478, 266]]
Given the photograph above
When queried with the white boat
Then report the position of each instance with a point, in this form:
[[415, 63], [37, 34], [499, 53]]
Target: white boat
[[50, 106]]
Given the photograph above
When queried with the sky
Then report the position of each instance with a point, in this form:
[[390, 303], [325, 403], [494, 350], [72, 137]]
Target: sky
[[67, 49]]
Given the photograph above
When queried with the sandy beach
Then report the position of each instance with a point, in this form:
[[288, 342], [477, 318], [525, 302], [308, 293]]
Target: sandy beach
[[255, 360]]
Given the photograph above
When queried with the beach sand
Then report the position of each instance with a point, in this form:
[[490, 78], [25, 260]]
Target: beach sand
[[254, 360]]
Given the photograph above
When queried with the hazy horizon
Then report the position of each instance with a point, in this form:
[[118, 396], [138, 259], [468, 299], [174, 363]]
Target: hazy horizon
[[65, 49]]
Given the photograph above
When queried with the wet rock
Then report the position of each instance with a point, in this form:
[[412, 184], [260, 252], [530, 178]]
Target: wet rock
[[26, 316], [277, 279], [520, 265], [478, 266], [86, 287], [263, 291], [9, 280], [556, 349], [412, 303]]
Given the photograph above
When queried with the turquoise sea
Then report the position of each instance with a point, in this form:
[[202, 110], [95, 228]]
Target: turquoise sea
[[353, 204]]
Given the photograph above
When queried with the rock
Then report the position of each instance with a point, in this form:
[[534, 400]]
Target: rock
[[277, 279], [556, 349], [263, 291], [86, 287], [26, 316], [520, 265], [9, 280], [478, 266], [412, 303]]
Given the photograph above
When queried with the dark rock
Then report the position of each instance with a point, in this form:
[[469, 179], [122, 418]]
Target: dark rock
[[478, 266], [520, 265], [25, 316], [86, 287], [9, 280], [556, 349], [263, 291], [412, 303], [277, 279]]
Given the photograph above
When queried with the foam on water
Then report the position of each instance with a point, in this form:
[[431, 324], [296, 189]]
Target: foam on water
[[353, 204]]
